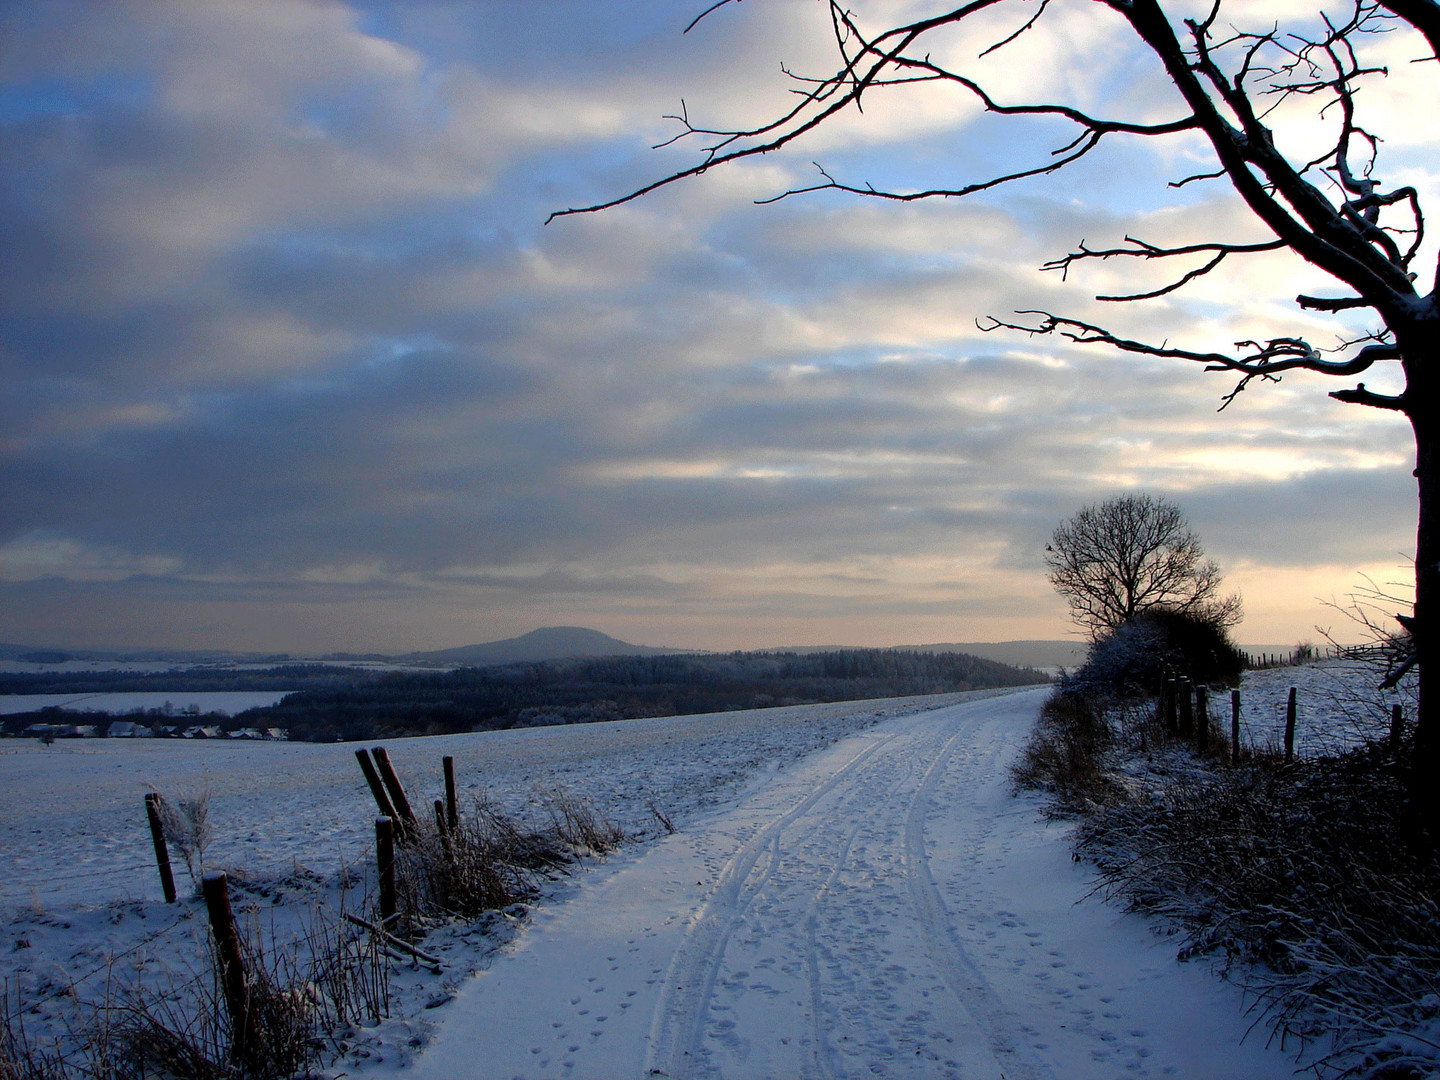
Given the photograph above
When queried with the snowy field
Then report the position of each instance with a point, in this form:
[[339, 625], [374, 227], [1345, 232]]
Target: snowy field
[[852, 890], [73, 819], [1337, 706], [225, 702]]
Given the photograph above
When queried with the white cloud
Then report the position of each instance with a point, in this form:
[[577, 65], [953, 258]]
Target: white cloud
[[35, 557]]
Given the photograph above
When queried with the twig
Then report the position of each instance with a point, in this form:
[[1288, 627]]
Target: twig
[[391, 939]]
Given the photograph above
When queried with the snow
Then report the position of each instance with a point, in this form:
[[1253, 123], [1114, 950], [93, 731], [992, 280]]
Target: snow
[[1337, 705], [886, 908], [73, 818], [852, 890]]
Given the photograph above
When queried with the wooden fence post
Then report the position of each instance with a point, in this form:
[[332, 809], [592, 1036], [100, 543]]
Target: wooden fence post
[[162, 853], [1290, 727], [406, 823], [1397, 725], [1234, 727], [1202, 718], [443, 827], [377, 788], [233, 981], [452, 811], [385, 866], [1186, 722]]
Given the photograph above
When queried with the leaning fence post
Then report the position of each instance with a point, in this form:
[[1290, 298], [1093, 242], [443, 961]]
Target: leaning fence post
[[162, 853], [1202, 718], [377, 788], [385, 866], [1234, 727], [406, 823], [452, 812], [1397, 725], [1290, 727], [216, 889]]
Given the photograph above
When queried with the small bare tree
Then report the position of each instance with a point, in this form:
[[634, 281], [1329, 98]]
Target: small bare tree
[[1307, 175], [1132, 554]]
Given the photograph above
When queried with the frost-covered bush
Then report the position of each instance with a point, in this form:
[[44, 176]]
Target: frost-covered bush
[[1137, 657], [188, 829], [1307, 879], [1065, 754]]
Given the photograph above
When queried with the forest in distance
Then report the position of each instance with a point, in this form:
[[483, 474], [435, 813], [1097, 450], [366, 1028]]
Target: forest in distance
[[331, 704]]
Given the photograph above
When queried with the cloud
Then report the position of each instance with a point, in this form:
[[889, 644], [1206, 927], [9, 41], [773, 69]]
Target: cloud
[[36, 557], [284, 336]]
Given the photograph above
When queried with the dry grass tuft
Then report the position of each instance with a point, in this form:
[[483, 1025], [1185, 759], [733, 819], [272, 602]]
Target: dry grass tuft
[[1305, 882], [579, 824], [490, 861], [188, 829], [300, 995], [487, 862]]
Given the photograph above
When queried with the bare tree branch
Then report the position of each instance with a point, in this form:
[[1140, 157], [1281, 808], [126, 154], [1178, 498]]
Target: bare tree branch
[[1141, 250], [1266, 360], [1362, 396], [713, 7], [1331, 303]]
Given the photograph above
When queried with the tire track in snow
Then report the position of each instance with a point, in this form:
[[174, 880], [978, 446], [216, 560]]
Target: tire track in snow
[[868, 793], [822, 1055], [854, 914], [678, 1028], [1000, 1027]]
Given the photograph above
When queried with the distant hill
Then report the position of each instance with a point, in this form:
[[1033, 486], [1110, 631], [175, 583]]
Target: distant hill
[[32, 654], [547, 643], [1040, 655]]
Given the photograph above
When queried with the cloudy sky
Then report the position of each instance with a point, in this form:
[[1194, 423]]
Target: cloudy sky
[[293, 362]]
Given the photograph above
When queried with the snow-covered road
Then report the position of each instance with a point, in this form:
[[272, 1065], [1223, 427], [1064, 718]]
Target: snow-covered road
[[884, 907]]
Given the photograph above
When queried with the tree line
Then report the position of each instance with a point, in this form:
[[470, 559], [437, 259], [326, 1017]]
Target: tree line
[[619, 687], [208, 679]]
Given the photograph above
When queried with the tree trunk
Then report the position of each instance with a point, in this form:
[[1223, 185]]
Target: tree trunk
[[1424, 789]]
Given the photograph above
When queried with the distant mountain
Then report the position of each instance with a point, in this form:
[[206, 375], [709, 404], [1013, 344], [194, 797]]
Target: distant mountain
[[547, 643]]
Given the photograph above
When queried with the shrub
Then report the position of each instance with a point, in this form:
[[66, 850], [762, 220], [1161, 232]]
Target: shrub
[[1138, 656], [1304, 875], [1065, 753]]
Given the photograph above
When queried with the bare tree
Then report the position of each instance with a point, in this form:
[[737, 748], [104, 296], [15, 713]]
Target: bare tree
[[1314, 191], [1133, 554]]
